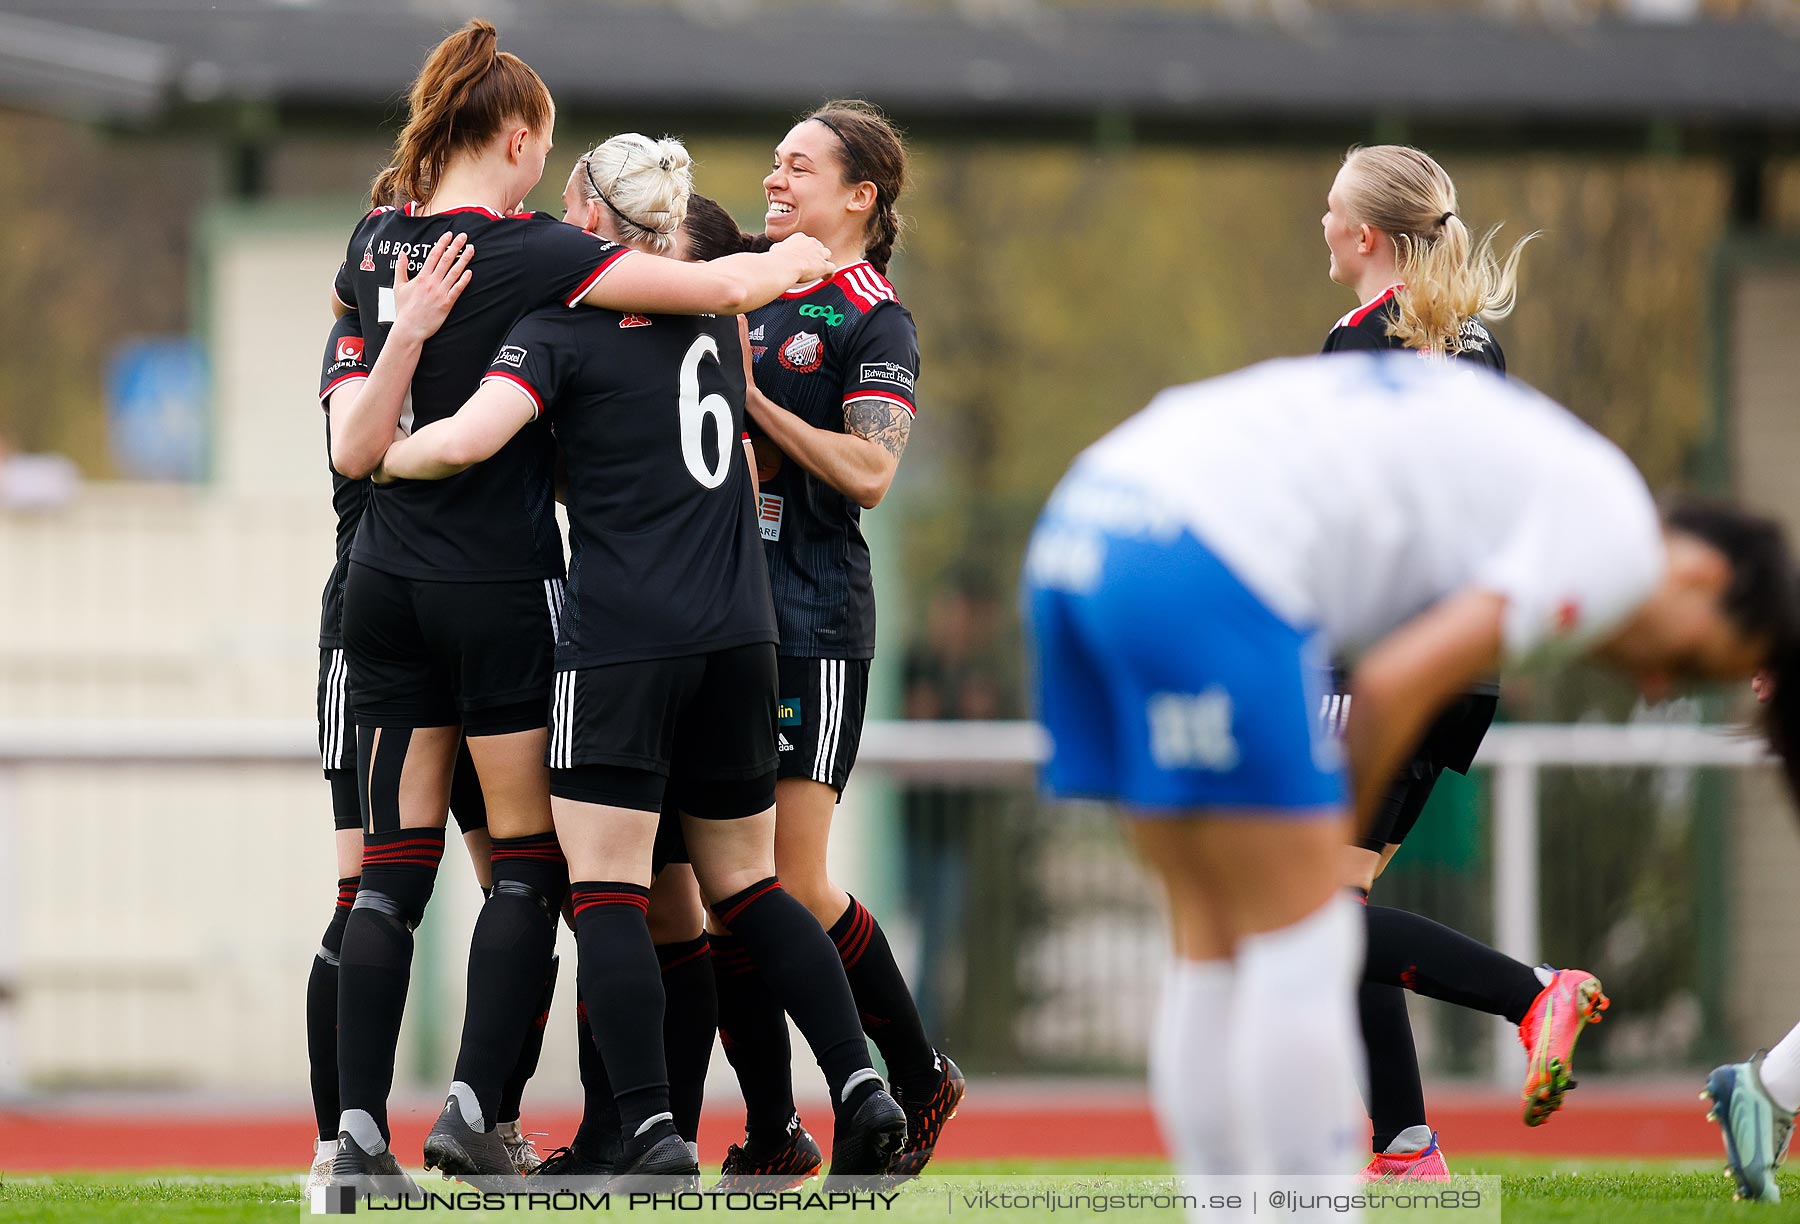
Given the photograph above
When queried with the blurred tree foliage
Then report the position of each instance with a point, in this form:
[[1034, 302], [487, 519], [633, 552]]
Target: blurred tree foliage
[[97, 247]]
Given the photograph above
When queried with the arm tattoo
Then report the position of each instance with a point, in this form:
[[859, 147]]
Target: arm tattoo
[[885, 424]]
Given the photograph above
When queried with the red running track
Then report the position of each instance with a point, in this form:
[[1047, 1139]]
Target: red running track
[[1008, 1125]]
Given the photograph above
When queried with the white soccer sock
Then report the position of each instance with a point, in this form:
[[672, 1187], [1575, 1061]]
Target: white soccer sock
[[1190, 1060], [1781, 1071], [1297, 1046]]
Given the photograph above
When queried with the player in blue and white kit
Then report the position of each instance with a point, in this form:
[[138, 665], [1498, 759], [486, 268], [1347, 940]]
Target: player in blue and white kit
[[1187, 584]]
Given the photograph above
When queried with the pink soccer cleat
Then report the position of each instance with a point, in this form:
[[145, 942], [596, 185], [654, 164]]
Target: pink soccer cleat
[[1425, 1166], [1572, 1001]]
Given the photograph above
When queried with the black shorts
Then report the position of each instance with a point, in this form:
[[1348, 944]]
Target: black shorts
[[820, 720], [337, 752], [697, 731], [440, 654], [1449, 743]]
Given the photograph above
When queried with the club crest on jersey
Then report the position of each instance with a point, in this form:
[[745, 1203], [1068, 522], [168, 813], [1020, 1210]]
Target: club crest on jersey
[[349, 348], [511, 355], [634, 320], [803, 353], [368, 259]]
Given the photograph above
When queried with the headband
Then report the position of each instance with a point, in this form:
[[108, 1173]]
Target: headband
[[588, 167]]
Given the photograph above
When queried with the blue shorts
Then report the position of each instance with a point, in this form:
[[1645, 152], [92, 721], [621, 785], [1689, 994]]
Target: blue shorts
[[1165, 683]]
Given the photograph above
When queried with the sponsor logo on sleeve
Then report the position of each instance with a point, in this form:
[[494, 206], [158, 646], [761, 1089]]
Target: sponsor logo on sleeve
[[349, 348], [803, 353], [634, 320], [887, 372], [769, 514], [510, 355], [368, 259]]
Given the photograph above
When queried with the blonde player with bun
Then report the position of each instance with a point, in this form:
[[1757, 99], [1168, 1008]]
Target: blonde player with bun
[[1425, 282]]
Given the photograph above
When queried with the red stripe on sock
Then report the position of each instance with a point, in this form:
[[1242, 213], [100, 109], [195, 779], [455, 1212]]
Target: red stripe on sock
[[856, 940], [585, 901], [730, 916], [696, 954]]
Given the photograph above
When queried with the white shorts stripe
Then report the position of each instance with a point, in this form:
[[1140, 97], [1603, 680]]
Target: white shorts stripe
[[335, 693], [563, 722], [831, 720]]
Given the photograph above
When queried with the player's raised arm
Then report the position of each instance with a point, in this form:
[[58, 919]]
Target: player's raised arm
[[725, 286], [363, 423]]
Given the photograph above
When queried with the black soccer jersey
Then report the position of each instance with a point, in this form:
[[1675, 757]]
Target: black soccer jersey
[[495, 521], [1365, 329], [815, 350], [344, 363], [649, 413]]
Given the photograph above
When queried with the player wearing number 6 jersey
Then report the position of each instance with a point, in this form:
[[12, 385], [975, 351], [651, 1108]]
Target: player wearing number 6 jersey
[[665, 663]]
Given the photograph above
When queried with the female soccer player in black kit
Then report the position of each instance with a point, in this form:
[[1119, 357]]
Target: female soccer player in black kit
[[455, 586], [1425, 283], [831, 409], [344, 364], [666, 674]]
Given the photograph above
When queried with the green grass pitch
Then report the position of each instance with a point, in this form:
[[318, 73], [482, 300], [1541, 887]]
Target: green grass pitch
[[1534, 1192]]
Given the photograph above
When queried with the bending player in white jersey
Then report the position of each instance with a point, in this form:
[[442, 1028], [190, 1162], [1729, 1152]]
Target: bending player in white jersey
[[1187, 583]]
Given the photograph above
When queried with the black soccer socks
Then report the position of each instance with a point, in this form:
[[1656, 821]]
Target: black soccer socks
[[889, 1015], [754, 1032], [512, 1097], [1396, 1097], [621, 984], [509, 962], [800, 964], [690, 1017], [1429, 958], [322, 1012], [375, 963]]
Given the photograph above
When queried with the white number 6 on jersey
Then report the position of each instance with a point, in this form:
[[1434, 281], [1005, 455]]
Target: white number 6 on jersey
[[696, 411]]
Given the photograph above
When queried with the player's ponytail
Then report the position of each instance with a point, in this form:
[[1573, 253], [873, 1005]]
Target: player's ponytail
[[467, 92], [872, 152], [643, 183], [1762, 602], [1448, 275]]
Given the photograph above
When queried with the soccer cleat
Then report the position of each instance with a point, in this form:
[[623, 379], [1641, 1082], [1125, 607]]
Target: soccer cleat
[[1425, 1166], [587, 1161], [371, 1173], [866, 1144], [925, 1118], [1756, 1130], [519, 1148], [457, 1150], [1570, 1002], [319, 1176], [666, 1165], [749, 1166]]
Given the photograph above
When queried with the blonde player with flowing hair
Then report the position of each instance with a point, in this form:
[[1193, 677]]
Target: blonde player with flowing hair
[[1424, 280]]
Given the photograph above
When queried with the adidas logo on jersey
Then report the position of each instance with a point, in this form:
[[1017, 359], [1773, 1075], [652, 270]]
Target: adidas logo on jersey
[[756, 333], [634, 320], [782, 744]]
